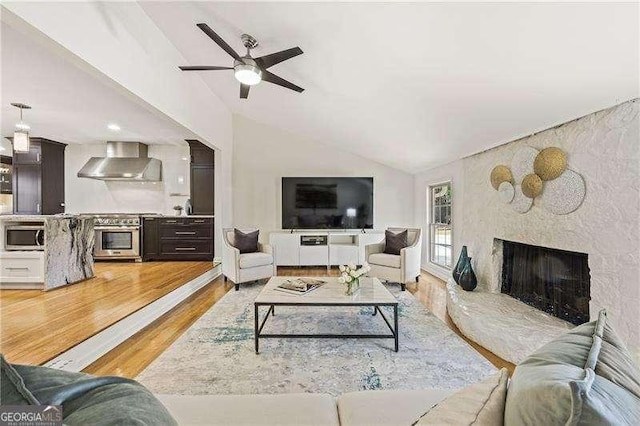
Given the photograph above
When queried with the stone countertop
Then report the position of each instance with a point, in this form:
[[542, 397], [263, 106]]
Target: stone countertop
[[40, 217], [196, 216], [68, 250]]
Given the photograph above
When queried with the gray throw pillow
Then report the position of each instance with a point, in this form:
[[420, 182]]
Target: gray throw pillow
[[395, 242], [13, 390], [584, 377], [245, 243], [85, 399]]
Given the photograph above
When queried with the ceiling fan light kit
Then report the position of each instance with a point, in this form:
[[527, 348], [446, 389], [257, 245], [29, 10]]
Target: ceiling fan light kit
[[247, 70]]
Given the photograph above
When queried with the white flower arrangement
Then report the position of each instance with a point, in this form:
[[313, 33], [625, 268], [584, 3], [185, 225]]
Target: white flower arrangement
[[350, 272]]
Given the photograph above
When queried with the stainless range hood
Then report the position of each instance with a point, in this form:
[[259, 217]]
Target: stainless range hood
[[127, 161]]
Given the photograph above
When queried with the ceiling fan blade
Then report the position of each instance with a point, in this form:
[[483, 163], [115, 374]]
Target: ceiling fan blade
[[219, 41], [244, 91], [272, 78], [267, 61], [203, 68]]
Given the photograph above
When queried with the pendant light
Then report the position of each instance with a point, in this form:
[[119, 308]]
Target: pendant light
[[21, 141]]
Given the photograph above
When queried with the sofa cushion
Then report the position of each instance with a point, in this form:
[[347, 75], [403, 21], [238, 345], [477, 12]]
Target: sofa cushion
[[394, 242], [279, 409], [251, 260], [585, 376], [245, 242], [85, 399], [387, 407], [479, 404], [13, 390], [384, 259]]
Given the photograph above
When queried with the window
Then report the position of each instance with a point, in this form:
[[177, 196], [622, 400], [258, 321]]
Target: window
[[440, 232]]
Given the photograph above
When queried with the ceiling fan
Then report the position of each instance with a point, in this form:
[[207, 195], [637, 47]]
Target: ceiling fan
[[247, 70]]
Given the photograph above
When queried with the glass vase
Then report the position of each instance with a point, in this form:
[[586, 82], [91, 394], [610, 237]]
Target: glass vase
[[468, 280], [352, 287], [462, 261]]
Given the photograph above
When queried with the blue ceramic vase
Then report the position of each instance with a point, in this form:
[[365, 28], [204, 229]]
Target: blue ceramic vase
[[462, 260], [467, 279]]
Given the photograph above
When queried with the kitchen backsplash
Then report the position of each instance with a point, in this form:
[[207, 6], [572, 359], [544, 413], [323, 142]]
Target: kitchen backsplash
[[90, 196]]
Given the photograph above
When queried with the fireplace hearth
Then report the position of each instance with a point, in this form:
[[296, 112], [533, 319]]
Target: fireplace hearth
[[554, 281]]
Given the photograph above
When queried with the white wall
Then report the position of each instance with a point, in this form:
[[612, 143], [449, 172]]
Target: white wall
[[96, 196], [118, 43], [604, 148], [262, 155]]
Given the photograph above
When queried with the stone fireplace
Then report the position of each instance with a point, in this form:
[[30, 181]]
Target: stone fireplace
[[603, 147], [554, 281]]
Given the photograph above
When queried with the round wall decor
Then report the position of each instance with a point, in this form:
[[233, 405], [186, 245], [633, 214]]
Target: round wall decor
[[531, 185], [521, 204], [550, 163], [506, 192], [500, 174], [522, 162], [564, 194]]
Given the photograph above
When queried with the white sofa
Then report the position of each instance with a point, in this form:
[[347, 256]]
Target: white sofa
[[396, 268], [364, 408], [245, 267]]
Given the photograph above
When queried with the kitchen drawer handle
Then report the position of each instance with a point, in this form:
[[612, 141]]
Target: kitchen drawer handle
[[170, 221], [185, 233], [185, 248], [12, 268], [199, 221]]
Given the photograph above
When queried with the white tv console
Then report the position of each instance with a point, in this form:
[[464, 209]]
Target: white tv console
[[325, 248]]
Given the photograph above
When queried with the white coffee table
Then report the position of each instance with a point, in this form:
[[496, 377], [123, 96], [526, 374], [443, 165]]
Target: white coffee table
[[371, 293]]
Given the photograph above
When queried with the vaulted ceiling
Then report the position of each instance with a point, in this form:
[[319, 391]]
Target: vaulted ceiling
[[413, 85], [70, 104]]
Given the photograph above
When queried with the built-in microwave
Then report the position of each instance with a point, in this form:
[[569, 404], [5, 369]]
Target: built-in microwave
[[19, 236]]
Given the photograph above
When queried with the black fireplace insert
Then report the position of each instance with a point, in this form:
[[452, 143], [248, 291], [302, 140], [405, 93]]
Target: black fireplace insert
[[554, 281]]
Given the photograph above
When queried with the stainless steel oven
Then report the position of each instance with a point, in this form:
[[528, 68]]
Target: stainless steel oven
[[117, 237], [24, 236]]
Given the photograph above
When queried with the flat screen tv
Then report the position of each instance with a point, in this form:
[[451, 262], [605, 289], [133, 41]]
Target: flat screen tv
[[327, 203]]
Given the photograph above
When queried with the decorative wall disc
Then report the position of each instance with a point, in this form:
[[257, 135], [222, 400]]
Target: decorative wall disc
[[531, 185], [506, 192], [522, 162], [564, 194], [500, 174], [520, 204], [550, 163]]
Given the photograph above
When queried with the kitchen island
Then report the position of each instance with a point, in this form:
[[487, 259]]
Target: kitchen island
[[66, 258]]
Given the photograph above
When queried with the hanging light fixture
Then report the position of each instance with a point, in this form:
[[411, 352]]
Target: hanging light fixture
[[21, 134]]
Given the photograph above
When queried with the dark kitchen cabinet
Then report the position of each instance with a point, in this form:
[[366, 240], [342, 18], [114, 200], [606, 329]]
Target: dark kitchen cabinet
[[202, 178], [6, 174], [38, 178], [179, 238], [150, 238], [27, 185], [34, 155]]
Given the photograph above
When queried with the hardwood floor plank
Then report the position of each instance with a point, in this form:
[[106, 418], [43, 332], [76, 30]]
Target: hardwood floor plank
[[136, 353], [36, 326]]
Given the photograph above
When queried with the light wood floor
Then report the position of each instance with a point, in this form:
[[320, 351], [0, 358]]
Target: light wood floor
[[36, 326], [135, 354]]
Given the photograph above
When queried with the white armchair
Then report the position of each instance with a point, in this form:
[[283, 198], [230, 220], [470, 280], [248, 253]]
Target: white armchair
[[396, 268], [242, 268]]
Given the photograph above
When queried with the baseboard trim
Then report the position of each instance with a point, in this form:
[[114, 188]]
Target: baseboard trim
[[443, 274], [85, 353]]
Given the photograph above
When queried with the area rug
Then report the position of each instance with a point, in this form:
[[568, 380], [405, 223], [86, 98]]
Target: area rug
[[216, 355]]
